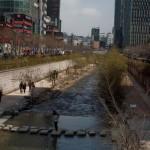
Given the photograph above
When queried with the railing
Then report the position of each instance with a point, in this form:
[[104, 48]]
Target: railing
[[141, 76]]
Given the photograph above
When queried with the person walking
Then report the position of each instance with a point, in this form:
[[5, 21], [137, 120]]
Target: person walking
[[21, 86], [30, 85], [1, 94], [24, 87], [55, 119]]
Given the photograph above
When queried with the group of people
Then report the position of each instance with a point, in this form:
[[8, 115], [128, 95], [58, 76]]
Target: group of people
[[23, 86]]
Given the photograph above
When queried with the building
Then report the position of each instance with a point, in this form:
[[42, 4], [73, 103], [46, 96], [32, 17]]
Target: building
[[53, 11], [103, 40], [132, 22], [118, 23], [20, 15], [95, 37], [109, 42]]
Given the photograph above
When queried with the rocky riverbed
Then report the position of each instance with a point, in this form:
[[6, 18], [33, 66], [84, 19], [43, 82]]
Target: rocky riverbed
[[79, 109]]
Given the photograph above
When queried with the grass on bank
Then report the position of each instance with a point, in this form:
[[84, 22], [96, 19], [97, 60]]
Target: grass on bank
[[111, 72], [81, 59]]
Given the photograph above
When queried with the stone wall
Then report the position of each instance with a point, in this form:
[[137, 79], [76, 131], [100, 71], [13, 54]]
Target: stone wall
[[9, 80]]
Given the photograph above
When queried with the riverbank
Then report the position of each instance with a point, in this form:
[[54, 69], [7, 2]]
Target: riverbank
[[15, 102], [136, 112]]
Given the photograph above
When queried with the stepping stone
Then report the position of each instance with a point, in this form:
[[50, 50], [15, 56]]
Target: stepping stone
[[7, 117], [14, 129], [44, 132], [56, 133], [81, 133], [23, 129], [92, 133], [69, 133], [34, 130], [50, 129], [10, 126], [6, 128], [103, 133], [2, 125]]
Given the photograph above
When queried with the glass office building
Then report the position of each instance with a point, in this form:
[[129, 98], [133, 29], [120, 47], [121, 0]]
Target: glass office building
[[132, 22], [15, 6]]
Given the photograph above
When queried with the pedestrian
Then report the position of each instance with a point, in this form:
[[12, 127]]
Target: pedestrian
[[30, 85], [24, 87], [55, 119], [1, 94], [21, 86]]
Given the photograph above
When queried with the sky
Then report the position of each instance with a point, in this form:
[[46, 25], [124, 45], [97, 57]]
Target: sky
[[79, 16]]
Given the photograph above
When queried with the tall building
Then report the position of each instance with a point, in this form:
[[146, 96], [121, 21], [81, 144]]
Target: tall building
[[132, 22], [17, 14], [42, 14], [53, 10], [109, 37], [95, 36], [118, 26]]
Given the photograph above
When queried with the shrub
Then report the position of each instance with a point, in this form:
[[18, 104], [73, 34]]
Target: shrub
[[111, 71]]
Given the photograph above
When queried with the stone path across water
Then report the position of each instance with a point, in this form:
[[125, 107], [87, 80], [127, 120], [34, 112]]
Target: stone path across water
[[50, 131]]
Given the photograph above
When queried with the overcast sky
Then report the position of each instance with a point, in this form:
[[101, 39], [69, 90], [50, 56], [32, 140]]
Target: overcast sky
[[79, 16]]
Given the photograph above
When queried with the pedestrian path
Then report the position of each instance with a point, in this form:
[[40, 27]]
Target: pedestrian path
[[16, 99]]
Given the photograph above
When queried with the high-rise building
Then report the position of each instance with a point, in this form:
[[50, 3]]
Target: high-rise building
[[95, 36], [118, 37], [132, 22], [53, 11], [17, 14]]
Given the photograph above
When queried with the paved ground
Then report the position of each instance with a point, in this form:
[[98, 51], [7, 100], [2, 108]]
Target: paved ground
[[138, 108], [137, 96], [15, 98]]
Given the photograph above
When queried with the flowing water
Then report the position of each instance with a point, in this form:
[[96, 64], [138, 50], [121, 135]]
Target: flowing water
[[79, 109]]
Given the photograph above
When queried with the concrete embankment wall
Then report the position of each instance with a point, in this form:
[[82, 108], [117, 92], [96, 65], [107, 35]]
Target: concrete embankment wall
[[9, 80]]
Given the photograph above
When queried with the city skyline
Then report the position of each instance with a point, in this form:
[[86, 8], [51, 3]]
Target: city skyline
[[80, 16]]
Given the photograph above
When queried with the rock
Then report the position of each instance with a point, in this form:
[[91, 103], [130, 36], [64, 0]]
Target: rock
[[69, 133], [10, 126], [92, 133], [34, 130], [56, 133], [14, 129], [23, 129], [50, 129], [6, 128], [81, 133], [27, 97], [16, 112], [103, 133], [44, 132], [2, 125]]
